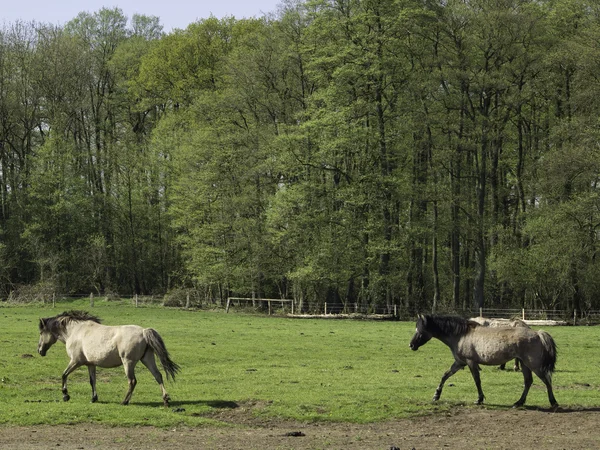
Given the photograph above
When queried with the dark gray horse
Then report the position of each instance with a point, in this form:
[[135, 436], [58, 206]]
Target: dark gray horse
[[473, 344], [92, 344]]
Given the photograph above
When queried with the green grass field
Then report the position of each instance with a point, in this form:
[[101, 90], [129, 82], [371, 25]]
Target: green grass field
[[302, 369]]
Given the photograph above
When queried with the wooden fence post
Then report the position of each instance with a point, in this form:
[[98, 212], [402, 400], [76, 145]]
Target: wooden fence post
[[91, 299]]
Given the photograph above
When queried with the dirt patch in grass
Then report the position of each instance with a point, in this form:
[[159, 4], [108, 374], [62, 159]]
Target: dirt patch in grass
[[475, 427]]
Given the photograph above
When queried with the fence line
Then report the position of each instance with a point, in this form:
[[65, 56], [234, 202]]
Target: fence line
[[525, 314], [135, 300], [276, 305], [231, 300]]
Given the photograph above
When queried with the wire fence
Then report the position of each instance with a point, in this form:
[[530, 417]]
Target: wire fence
[[294, 308], [398, 312]]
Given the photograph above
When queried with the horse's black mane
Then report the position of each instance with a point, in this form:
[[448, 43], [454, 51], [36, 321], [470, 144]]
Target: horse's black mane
[[447, 325], [79, 316], [57, 322]]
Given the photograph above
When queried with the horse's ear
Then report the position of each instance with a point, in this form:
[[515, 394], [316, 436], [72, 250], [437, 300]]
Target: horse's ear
[[42, 324]]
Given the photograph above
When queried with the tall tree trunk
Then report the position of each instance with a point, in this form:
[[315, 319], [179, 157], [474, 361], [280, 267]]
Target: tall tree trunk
[[434, 259], [480, 244]]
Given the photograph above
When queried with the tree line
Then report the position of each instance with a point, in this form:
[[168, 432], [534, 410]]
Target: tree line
[[427, 154]]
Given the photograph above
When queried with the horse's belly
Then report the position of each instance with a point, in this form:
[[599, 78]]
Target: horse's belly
[[104, 359], [491, 353], [110, 362], [495, 359]]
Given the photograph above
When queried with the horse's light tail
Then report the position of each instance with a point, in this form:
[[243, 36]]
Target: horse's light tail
[[156, 343], [549, 352]]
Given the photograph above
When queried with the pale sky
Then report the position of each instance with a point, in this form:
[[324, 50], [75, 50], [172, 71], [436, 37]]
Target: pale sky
[[172, 13]]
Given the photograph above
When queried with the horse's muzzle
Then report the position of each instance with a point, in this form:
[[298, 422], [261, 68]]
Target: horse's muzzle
[[42, 351], [413, 347]]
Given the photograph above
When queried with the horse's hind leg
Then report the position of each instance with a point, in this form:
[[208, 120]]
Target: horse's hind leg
[[92, 372], [129, 367], [149, 361], [516, 367], [527, 382], [453, 369], [547, 379]]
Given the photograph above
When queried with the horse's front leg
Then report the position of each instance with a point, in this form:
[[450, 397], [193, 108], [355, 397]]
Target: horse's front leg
[[70, 368], [92, 372], [474, 367], [453, 369]]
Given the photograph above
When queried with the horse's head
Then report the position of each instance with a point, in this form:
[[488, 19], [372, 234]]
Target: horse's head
[[422, 336], [47, 336]]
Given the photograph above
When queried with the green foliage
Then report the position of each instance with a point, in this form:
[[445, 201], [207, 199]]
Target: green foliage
[[59, 210], [376, 152]]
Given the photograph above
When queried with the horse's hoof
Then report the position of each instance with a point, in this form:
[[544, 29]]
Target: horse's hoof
[[66, 397], [517, 405], [94, 399], [124, 403]]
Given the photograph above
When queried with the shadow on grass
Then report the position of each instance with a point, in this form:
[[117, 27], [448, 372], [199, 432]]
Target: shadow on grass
[[564, 410], [216, 404], [545, 409]]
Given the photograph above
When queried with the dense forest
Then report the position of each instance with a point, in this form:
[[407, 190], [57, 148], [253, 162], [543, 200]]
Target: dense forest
[[428, 154]]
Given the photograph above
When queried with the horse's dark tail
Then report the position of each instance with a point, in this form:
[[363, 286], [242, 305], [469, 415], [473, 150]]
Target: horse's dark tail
[[156, 343], [549, 352]]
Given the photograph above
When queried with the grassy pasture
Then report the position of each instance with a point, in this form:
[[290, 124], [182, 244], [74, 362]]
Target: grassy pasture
[[303, 369]]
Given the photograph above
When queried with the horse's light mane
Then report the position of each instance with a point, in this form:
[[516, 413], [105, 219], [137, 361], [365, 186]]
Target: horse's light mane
[[448, 325]]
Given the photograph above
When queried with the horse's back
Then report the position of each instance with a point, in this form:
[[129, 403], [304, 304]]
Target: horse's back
[[505, 334]]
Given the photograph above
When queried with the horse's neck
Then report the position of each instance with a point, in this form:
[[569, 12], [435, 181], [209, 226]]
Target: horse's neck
[[66, 331], [448, 339]]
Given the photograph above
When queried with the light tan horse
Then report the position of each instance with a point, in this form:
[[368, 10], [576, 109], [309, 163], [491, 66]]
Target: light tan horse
[[473, 344], [502, 323], [89, 343]]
